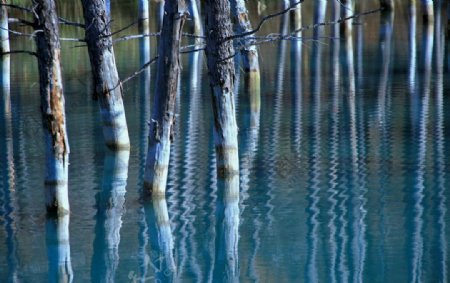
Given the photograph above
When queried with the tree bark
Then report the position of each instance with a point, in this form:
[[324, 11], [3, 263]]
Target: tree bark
[[52, 107], [107, 88], [163, 116], [221, 75], [249, 52]]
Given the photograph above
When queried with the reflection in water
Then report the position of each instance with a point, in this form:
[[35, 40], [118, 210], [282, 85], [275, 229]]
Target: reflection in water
[[226, 264], [58, 249], [110, 208], [418, 193], [8, 198], [160, 234], [440, 197]]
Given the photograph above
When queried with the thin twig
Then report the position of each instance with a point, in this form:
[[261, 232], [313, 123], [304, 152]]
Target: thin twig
[[70, 23], [19, 52], [263, 20], [129, 37], [17, 7]]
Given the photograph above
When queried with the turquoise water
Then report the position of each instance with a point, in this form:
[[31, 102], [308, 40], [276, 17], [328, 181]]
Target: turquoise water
[[334, 187]]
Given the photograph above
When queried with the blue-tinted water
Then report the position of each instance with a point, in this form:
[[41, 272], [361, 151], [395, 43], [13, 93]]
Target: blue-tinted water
[[344, 178]]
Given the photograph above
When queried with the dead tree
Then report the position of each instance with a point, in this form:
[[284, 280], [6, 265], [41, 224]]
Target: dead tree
[[249, 52], [163, 115], [52, 106], [219, 53], [107, 87]]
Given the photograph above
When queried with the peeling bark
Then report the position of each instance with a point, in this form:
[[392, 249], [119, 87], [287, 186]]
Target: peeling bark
[[107, 88], [221, 76], [163, 116], [52, 107]]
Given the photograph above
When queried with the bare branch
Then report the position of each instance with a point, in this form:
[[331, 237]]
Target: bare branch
[[122, 29], [128, 37], [19, 52], [266, 18], [70, 23], [17, 7]]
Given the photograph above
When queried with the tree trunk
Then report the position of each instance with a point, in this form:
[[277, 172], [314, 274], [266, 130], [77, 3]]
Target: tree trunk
[[4, 34], [107, 88], [143, 10], [348, 7], [52, 107], [163, 116], [221, 75], [249, 52]]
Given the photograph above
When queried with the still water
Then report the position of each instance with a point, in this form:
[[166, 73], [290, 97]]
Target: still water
[[344, 173]]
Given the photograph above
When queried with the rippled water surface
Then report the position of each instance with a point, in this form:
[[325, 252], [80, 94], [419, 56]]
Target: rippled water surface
[[344, 171]]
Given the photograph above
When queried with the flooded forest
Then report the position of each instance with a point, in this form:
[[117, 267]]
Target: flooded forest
[[224, 141]]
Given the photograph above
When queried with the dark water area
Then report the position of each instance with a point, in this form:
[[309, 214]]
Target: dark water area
[[344, 172]]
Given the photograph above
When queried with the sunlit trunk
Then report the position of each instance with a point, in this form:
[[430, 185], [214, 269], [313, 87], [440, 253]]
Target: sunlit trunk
[[412, 45], [163, 116], [320, 11], [110, 209], [249, 52], [348, 7], [107, 86], [4, 34], [143, 11], [221, 76], [58, 249], [52, 108], [226, 264]]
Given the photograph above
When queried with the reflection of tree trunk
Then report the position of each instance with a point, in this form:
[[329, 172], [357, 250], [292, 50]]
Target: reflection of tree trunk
[[296, 81], [52, 107], [162, 259], [387, 5], [226, 265], [110, 208], [163, 116], [427, 11], [439, 142], [221, 76], [58, 249], [417, 240], [107, 88], [195, 14]]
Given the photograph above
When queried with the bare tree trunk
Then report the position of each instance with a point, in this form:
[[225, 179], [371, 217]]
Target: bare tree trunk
[[163, 116], [107, 88], [52, 107], [249, 52], [346, 11], [221, 76], [143, 10], [4, 34]]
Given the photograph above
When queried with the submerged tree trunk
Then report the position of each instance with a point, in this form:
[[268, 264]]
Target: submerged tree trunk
[[221, 75], [107, 87], [58, 249], [249, 52], [163, 116], [52, 107]]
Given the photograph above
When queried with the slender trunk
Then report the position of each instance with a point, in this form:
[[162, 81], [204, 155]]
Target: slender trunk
[[4, 34], [320, 10], [221, 76], [163, 116], [249, 52], [387, 5], [427, 11], [52, 107], [412, 45], [107, 87], [58, 249]]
